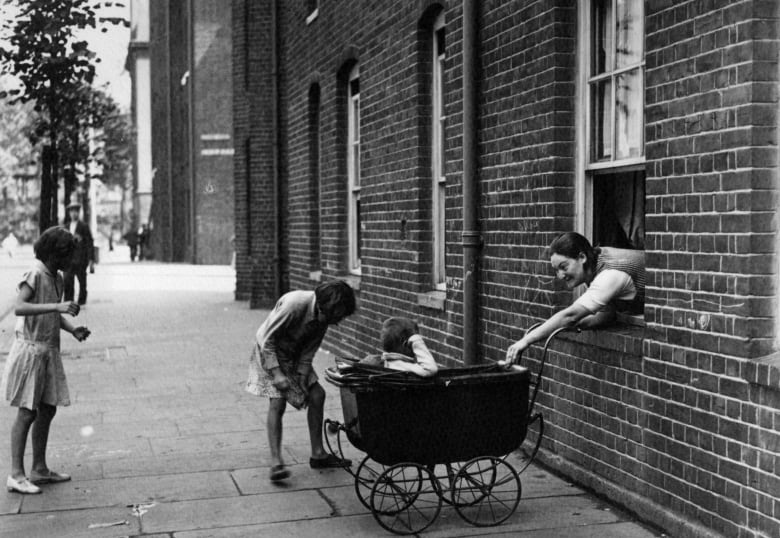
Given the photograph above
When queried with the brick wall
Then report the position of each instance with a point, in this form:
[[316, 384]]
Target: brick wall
[[255, 238], [711, 96], [678, 419]]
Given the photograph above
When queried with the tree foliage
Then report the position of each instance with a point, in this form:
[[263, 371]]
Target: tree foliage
[[54, 70]]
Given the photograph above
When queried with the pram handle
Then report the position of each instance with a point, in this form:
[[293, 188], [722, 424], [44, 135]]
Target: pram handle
[[541, 363]]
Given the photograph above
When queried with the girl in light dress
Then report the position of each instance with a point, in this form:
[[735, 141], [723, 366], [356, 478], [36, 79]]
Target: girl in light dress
[[34, 379]]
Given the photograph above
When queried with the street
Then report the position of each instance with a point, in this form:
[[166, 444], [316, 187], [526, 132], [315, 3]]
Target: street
[[162, 440]]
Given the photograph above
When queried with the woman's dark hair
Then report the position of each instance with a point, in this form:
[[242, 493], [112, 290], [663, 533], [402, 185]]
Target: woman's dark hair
[[395, 333], [571, 244], [335, 299], [54, 242]]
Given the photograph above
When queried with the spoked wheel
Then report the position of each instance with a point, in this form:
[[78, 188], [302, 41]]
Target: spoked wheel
[[365, 477], [486, 491], [405, 498]]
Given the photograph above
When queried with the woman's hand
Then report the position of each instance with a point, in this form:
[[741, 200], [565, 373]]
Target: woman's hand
[[515, 351], [69, 307]]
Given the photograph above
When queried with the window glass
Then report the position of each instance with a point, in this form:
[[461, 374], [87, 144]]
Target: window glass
[[629, 105], [613, 168], [629, 49]]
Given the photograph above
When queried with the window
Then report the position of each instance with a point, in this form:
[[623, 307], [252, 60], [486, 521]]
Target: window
[[438, 172], [353, 169], [611, 156]]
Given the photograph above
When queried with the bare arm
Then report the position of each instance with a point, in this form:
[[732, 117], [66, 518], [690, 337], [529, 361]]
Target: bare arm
[[568, 317], [25, 308]]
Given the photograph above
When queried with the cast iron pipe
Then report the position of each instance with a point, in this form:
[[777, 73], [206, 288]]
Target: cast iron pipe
[[472, 239]]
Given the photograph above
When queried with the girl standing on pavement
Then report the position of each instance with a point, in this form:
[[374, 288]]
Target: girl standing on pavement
[[34, 379]]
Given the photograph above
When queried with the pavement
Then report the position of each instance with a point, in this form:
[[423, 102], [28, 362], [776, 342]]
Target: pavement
[[162, 440]]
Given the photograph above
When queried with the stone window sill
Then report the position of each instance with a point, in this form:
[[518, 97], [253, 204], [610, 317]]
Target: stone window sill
[[433, 300], [763, 371], [622, 337]]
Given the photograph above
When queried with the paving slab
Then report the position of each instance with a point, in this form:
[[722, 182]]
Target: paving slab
[[155, 466], [128, 491], [534, 514], [113, 522], [246, 510], [338, 527], [255, 480]]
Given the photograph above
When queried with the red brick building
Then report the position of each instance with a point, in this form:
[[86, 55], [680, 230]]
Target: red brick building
[[430, 155]]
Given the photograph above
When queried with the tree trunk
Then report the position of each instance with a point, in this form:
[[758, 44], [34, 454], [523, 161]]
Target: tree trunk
[[44, 211], [69, 184]]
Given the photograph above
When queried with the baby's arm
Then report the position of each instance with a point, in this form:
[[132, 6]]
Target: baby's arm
[[423, 355], [25, 308]]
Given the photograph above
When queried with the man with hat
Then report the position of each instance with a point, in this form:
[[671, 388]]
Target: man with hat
[[82, 256]]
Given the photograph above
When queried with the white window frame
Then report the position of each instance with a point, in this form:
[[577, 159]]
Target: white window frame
[[438, 169], [353, 172], [584, 167]]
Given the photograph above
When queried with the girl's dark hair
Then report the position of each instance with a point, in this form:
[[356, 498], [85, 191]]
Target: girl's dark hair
[[335, 297], [395, 333], [571, 244], [54, 242]]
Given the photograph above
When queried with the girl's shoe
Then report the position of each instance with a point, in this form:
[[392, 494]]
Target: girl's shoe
[[21, 486], [50, 478], [279, 472]]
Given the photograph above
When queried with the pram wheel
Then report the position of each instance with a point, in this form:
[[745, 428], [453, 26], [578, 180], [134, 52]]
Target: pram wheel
[[405, 498], [365, 478], [486, 491]]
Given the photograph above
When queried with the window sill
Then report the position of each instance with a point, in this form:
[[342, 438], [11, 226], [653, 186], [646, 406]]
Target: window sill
[[432, 299], [623, 338], [764, 371]]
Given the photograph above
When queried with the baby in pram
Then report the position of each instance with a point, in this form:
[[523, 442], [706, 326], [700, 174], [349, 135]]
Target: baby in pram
[[403, 349]]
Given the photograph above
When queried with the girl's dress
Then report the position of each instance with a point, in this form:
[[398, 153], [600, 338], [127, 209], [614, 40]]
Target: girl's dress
[[34, 372]]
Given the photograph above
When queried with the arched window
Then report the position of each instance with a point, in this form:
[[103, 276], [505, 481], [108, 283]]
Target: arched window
[[438, 172]]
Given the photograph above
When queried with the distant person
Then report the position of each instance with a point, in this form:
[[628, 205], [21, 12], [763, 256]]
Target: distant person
[[143, 242], [34, 379], [10, 244], [403, 349], [131, 238], [83, 256], [281, 365]]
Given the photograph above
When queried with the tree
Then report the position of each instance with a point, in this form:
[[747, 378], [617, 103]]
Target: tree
[[52, 67]]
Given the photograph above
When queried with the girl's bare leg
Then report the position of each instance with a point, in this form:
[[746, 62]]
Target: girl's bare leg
[[21, 427], [40, 437], [274, 425], [314, 417]]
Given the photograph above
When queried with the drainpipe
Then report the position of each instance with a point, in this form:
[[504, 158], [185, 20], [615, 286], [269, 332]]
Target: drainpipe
[[472, 239], [192, 179], [276, 175]]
